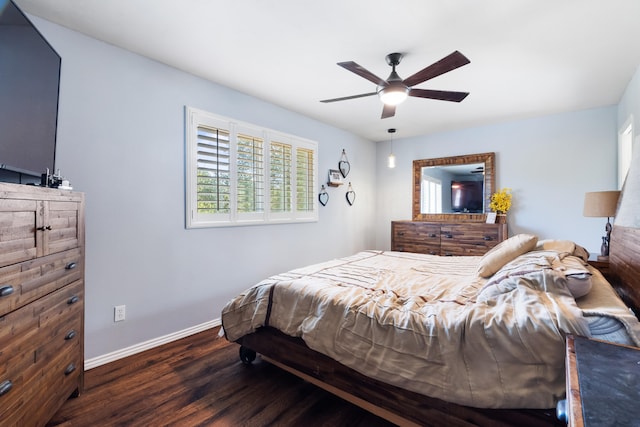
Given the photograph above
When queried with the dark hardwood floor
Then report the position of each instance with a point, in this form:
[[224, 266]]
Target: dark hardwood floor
[[200, 381]]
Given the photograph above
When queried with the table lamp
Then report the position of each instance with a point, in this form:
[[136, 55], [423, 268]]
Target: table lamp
[[602, 204]]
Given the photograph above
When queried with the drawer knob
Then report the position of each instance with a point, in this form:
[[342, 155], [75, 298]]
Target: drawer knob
[[70, 266], [74, 299], [5, 291], [70, 335], [432, 235], [487, 238], [5, 387], [48, 227], [70, 369], [401, 233], [561, 411], [449, 236]]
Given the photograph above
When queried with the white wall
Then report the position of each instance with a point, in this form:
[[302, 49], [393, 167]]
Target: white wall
[[121, 141], [549, 162]]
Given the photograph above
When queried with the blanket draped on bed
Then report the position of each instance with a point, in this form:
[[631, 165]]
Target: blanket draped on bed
[[421, 323]]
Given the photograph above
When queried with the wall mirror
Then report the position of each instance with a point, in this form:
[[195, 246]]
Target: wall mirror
[[457, 188]]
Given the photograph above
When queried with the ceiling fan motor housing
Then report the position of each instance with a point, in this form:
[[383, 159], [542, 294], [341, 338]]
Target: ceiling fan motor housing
[[393, 59]]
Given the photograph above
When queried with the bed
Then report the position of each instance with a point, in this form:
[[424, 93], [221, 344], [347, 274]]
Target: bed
[[429, 340]]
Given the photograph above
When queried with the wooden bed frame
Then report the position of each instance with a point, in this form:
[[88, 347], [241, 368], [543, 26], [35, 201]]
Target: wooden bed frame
[[403, 407]]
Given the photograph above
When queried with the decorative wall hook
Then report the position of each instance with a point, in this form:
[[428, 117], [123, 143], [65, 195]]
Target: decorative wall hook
[[351, 195], [344, 164], [323, 197]]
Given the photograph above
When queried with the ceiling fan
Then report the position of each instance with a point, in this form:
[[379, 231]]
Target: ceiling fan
[[394, 90]]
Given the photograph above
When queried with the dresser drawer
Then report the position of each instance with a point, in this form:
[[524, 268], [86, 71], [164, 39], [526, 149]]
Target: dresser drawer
[[439, 238], [465, 239], [61, 304], [18, 338], [61, 329], [30, 280], [45, 392], [415, 237], [61, 378]]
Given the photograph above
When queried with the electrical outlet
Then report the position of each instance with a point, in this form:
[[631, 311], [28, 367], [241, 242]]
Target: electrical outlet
[[119, 313]]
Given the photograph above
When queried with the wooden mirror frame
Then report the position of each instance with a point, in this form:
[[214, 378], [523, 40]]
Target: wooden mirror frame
[[489, 186]]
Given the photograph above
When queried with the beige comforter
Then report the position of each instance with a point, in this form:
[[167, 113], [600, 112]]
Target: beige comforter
[[425, 323]]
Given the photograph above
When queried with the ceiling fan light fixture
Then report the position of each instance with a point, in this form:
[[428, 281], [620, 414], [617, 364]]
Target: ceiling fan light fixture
[[393, 94], [394, 90]]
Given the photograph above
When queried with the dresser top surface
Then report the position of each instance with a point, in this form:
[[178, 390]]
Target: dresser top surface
[[609, 377]]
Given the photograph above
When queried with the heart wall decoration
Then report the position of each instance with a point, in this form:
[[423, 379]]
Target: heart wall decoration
[[323, 197], [344, 164], [351, 195]]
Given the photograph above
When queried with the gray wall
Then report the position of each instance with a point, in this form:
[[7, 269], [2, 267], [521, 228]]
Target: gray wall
[[121, 141], [548, 162]]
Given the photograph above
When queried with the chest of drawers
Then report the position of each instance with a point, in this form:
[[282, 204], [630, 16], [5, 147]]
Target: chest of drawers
[[41, 302], [440, 238]]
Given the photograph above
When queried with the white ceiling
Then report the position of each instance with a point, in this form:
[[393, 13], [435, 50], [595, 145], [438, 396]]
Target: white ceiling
[[528, 57]]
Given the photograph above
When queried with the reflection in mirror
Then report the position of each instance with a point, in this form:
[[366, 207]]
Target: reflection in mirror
[[453, 188]]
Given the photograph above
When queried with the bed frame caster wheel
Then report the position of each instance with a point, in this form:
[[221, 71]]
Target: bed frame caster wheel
[[247, 355]]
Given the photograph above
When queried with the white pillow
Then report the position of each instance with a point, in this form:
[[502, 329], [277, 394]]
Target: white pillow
[[579, 285], [577, 274], [504, 252]]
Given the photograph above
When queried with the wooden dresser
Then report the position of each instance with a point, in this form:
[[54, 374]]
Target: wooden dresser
[[41, 302], [443, 238]]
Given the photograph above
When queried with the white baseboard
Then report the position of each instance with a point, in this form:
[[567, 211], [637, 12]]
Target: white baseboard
[[94, 362]]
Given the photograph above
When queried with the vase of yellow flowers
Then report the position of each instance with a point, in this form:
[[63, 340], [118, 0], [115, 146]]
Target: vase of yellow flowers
[[501, 203]]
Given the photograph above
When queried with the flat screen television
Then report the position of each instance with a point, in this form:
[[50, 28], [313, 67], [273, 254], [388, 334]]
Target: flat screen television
[[29, 88], [467, 196]]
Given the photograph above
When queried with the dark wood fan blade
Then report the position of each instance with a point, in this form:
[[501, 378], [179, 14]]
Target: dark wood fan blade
[[344, 98], [446, 64], [362, 72], [388, 111], [442, 95]]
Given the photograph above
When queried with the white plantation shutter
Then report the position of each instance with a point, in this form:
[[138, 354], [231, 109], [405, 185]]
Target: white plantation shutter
[[280, 177], [305, 182], [214, 172], [250, 174], [239, 174]]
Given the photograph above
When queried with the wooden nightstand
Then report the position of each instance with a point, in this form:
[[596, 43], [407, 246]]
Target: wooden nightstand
[[603, 383], [602, 266]]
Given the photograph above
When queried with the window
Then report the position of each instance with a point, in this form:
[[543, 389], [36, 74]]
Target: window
[[431, 195], [239, 174], [625, 151]]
